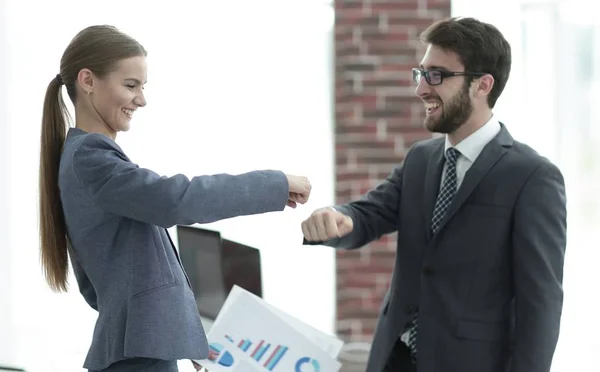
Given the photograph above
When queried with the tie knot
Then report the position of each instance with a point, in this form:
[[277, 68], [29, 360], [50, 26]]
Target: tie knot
[[452, 155]]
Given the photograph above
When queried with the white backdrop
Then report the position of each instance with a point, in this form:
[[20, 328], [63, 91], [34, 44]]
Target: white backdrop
[[6, 331], [550, 103], [233, 86]]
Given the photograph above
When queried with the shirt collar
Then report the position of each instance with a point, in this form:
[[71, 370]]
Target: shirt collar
[[473, 145]]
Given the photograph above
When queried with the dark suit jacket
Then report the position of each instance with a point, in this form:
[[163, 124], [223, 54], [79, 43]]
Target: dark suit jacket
[[488, 285], [125, 263]]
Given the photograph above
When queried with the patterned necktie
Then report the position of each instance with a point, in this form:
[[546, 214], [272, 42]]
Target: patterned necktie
[[444, 199]]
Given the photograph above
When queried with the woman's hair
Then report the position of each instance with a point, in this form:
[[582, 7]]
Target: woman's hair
[[99, 49]]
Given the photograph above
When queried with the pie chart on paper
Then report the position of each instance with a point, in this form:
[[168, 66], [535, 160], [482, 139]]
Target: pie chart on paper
[[307, 364], [218, 355]]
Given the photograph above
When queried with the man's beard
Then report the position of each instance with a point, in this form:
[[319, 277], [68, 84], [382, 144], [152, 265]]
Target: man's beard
[[454, 114]]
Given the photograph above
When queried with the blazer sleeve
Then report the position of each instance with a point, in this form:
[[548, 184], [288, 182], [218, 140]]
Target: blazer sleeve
[[539, 244], [125, 189], [373, 216]]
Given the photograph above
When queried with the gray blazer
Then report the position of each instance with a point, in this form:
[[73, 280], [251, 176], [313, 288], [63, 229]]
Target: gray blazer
[[124, 261], [488, 285]]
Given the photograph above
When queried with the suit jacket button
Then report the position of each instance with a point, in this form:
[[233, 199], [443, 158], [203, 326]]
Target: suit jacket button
[[428, 271], [409, 308]]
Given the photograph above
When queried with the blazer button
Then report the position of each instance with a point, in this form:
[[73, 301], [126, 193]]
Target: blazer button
[[409, 308], [428, 271]]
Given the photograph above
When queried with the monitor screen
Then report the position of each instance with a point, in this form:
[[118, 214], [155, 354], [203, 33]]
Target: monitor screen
[[241, 266], [214, 265]]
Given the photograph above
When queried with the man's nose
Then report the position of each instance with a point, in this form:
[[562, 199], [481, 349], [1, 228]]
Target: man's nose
[[422, 88]]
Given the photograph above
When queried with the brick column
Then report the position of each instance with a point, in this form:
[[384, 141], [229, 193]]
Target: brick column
[[377, 119]]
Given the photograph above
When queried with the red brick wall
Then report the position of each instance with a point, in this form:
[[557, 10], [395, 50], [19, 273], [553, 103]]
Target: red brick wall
[[377, 119]]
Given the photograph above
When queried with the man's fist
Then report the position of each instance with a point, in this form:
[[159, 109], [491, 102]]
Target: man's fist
[[325, 224]]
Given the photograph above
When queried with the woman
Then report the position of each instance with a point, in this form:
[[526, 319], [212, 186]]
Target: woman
[[112, 215]]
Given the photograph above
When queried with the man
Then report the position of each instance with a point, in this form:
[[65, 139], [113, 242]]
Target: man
[[481, 222]]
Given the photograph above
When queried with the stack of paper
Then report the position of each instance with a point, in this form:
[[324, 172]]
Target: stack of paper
[[249, 335]]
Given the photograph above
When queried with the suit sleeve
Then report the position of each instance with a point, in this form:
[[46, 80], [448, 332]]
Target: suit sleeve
[[539, 243], [373, 216], [123, 188]]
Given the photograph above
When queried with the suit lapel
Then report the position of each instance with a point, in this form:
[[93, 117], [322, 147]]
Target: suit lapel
[[491, 153], [433, 178]]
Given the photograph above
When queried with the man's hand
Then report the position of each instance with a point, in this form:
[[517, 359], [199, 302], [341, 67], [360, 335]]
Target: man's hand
[[325, 224], [299, 190]]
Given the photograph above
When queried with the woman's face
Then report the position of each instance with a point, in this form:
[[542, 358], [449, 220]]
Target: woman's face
[[116, 96]]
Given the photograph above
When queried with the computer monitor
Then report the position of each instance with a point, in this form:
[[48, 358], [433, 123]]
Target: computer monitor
[[8, 368], [241, 266], [214, 265]]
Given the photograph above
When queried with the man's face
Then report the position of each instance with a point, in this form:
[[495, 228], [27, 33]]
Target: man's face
[[447, 105]]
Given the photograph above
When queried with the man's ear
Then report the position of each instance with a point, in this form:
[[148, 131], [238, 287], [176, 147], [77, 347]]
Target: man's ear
[[484, 85]]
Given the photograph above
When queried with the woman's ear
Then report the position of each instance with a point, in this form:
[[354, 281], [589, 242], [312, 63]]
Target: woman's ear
[[85, 80]]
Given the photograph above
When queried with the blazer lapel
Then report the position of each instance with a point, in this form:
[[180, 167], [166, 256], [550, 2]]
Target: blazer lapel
[[491, 153], [433, 177]]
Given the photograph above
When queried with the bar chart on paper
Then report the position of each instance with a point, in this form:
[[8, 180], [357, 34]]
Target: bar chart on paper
[[263, 352], [247, 332]]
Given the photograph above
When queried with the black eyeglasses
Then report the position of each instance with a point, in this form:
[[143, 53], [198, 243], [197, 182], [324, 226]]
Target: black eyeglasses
[[436, 77]]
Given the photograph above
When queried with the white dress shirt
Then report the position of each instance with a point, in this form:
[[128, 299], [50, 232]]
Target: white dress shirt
[[470, 148]]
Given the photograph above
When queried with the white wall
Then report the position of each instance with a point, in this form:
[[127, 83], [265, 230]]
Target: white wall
[[233, 86], [506, 16], [548, 104], [6, 332]]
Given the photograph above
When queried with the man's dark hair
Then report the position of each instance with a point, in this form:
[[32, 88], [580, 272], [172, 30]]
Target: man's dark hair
[[480, 46]]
